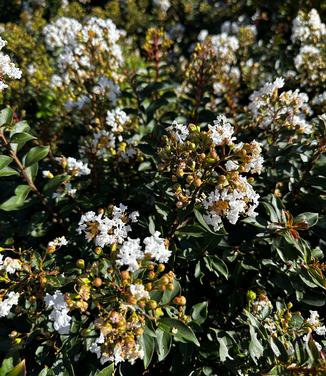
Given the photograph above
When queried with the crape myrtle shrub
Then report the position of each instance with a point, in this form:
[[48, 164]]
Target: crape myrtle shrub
[[163, 177]]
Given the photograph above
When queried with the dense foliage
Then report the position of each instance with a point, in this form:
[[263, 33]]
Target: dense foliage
[[163, 177]]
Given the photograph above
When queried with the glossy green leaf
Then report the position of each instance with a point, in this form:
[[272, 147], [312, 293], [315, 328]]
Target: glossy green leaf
[[178, 329], [36, 154]]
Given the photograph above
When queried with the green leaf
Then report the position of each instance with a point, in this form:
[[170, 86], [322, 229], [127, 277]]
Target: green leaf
[[278, 348], [107, 371], [20, 127], [32, 171], [223, 350], [201, 220], [6, 116], [308, 218], [168, 295], [199, 312], [256, 349], [148, 343], [18, 370], [54, 183], [21, 138], [8, 171], [4, 161], [216, 265], [17, 201], [178, 329], [6, 365], [36, 154], [163, 344]]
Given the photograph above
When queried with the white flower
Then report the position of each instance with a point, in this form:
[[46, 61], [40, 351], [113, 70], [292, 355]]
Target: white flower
[[58, 242], [321, 330], [7, 67], [164, 5], [181, 131], [139, 292], [230, 203], [231, 165], [47, 174], [75, 167], [314, 318], [155, 246], [221, 131], [130, 254], [116, 119], [59, 314], [8, 303], [10, 265], [202, 35]]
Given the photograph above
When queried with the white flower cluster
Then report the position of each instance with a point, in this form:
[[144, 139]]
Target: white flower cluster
[[225, 47], [314, 321], [59, 314], [139, 292], [71, 42], [164, 5], [180, 131], [74, 167], [7, 67], [310, 33], [308, 28], [10, 265], [58, 242], [131, 252], [320, 101], [116, 119], [107, 88], [221, 131], [120, 353], [230, 203], [106, 231], [104, 143], [274, 110], [8, 303]]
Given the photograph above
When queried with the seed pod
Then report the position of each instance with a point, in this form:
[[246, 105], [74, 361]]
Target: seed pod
[[160, 268], [198, 182], [149, 286], [80, 263], [165, 280], [151, 275], [179, 204], [98, 250], [152, 304], [179, 300], [125, 275], [192, 127], [97, 282], [132, 300], [190, 179]]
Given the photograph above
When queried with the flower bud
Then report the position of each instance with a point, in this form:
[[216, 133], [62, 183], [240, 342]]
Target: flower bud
[[251, 295], [192, 127]]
